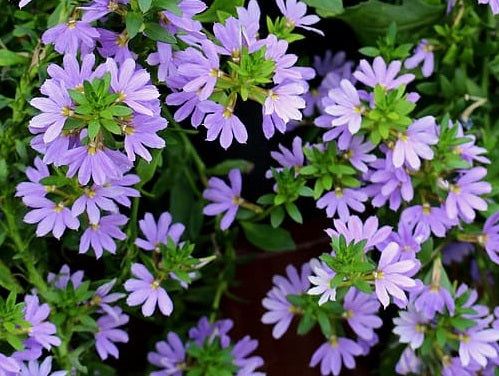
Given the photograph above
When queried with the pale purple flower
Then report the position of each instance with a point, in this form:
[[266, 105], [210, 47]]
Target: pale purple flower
[[50, 216], [72, 36], [341, 200], [8, 364], [477, 345], [230, 37], [356, 231], [360, 313], [489, 238], [55, 151], [453, 367], [247, 364], [102, 298], [169, 356], [115, 45], [120, 190], [271, 123], [422, 54], [415, 143], [347, 108], [481, 317], [321, 281], [23, 3], [284, 100], [295, 11], [225, 198], [408, 241], [44, 369], [221, 121], [134, 87], [185, 21], [456, 252], [469, 151], [201, 72], [380, 74], [410, 326], [92, 201], [157, 233], [189, 103], [335, 353], [408, 363], [358, 153], [464, 195], [280, 310], [55, 110], [427, 219], [250, 21], [336, 63], [390, 278], [62, 279], [434, 298], [204, 330], [41, 330], [164, 59], [99, 235], [147, 291], [97, 162], [109, 334], [100, 8], [289, 158], [141, 132], [33, 188], [493, 4]]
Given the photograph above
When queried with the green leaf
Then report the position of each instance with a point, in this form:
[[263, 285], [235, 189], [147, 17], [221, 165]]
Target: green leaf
[[371, 19], [362, 285], [159, 33], [369, 51], [144, 5], [111, 126], [224, 167], [228, 7], [15, 341], [461, 324], [276, 216], [307, 322], [324, 323], [170, 5], [326, 8], [7, 280], [120, 110], [133, 23], [58, 181], [146, 170], [11, 58], [294, 212], [93, 128], [268, 238]]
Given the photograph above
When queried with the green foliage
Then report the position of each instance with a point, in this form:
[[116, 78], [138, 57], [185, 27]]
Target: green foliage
[[267, 237]]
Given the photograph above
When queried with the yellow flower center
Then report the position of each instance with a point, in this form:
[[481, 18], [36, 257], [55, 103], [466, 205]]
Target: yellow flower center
[[155, 285], [420, 328], [66, 111], [333, 341], [378, 274], [71, 24], [426, 208], [482, 239], [94, 226], [455, 188], [404, 137], [338, 192], [59, 207]]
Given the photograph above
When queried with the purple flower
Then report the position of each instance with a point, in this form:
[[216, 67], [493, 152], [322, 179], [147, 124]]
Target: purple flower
[[202, 71], [173, 22], [347, 108], [434, 298], [41, 331], [100, 8], [294, 11], [356, 231], [341, 199], [469, 151], [284, 100], [222, 122], [8, 364], [464, 195], [99, 235], [225, 198], [426, 219], [170, 356], [423, 53], [157, 234], [321, 280], [242, 349], [97, 162], [55, 111], [334, 353], [477, 345], [456, 252], [490, 237], [23, 3], [204, 330], [410, 326], [380, 74], [390, 278], [493, 4], [109, 334], [230, 37], [408, 363], [360, 313], [189, 103], [357, 153], [69, 37], [102, 298], [50, 216], [33, 188], [408, 241], [115, 45], [453, 367], [146, 290], [414, 143], [336, 63], [35, 369], [62, 279], [120, 189], [289, 158], [164, 59], [133, 86], [280, 310], [250, 20], [141, 132]]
